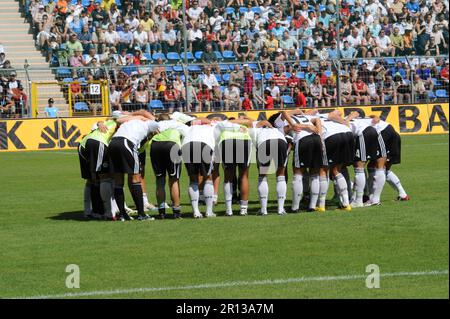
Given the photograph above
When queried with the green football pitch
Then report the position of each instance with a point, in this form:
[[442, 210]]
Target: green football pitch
[[305, 255]]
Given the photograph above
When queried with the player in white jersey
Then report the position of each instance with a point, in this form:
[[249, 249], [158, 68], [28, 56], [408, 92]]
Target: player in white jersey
[[339, 148], [165, 153], [197, 149], [308, 156], [271, 149], [390, 144], [367, 148], [233, 147], [125, 159]]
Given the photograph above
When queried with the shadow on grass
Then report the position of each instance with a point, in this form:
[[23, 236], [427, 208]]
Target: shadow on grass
[[75, 215]]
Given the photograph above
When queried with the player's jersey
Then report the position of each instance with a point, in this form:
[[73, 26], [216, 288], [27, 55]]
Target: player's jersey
[[136, 130], [358, 125], [261, 134], [226, 130], [200, 133], [330, 128], [381, 125], [170, 131], [97, 135], [299, 119]]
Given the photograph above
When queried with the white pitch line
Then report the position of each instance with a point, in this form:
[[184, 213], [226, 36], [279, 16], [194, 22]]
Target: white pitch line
[[232, 284]]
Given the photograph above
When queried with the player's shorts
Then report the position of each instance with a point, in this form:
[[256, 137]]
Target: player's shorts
[[273, 150], [308, 153], [367, 146], [235, 153], [94, 159], [124, 156], [166, 158], [390, 145], [198, 158], [340, 149]]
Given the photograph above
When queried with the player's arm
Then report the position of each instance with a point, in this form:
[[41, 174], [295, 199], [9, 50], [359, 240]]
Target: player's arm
[[375, 119], [264, 123], [242, 121], [335, 116], [297, 127], [318, 125], [144, 113]]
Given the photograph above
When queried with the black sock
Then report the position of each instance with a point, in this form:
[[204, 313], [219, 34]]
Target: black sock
[[162, 209], [136, 192], [119, 196], [97, 203], [176, 211]]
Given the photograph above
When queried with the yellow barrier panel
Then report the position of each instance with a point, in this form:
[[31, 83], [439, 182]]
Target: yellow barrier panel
[[66, 133]]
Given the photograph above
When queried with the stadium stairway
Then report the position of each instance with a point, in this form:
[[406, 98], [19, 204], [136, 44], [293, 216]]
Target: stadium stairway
[[19, 45]]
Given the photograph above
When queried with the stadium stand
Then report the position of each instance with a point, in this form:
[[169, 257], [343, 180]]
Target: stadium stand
[[386, 51]]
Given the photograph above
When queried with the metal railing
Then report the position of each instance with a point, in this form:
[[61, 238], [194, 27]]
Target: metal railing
[[233, 85]]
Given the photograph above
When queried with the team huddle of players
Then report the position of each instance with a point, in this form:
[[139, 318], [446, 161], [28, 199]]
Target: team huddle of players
[[324, 145]]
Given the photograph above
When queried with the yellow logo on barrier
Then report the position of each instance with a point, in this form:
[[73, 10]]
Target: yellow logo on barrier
[[66, 133]]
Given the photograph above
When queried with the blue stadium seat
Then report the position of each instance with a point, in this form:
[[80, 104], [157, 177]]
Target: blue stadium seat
[[327, 73], [218, 77], [183, 78], [436, 81], [224, 67], [169, 69], [253, 66], [189, 56], [257, 76], [256, 10], [148, 56], [441, 93], [389, 61], [301, 75], [218, 55], [198, 55], [173, 57], [155, 105], [129, 69], [226, 77], [268, 75], [63, 72], [177, 68], [229, 10], [304, 64], [82, 79], [287, 74], [431, 95], [194, 68], [229, 55], [158, 55], [67, 79], [81, 106], [287, 99], [243, 10]]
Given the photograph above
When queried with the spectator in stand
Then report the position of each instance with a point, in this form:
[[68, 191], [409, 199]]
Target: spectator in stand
[[275, 93], [204, 99], [299, 97], [246, 103], [373, 90], [402, 90], [388, 92], [50, 110], [444, 73], [73, 45], [172, 99], [114, 98], [360, 92], [316, 93], [231, 97], [420, 92], [330, 93]]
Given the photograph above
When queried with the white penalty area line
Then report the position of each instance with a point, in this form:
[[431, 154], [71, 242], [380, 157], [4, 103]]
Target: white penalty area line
[[233, 284]]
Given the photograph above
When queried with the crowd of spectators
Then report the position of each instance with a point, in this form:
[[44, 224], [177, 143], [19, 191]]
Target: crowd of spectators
[[13, 99], [368, 37]]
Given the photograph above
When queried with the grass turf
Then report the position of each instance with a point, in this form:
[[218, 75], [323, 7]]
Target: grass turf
[[41, 231]]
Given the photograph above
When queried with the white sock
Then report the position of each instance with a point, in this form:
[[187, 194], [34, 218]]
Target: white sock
[[145, 198], [315, 189], [114, 207], [341, 184], [360, 183], [281, 192], [194, 195], [201, 197], [297, 191], [378, 184], [394, 181], [323, 190], [370, 179], [208, 192], [228, 193], [215, 198], [263, 192], [244, 204], [87, 198], [106, 193]]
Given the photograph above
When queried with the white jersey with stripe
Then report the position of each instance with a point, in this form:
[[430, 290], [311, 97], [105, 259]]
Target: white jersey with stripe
[[200, 133], [358, 125], [261, 134], [381, 125], [299, 119], [173, 124], [136, 130], [330, 128]]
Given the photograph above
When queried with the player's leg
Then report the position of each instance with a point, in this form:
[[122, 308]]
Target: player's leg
[[394, 181], [244, 148]]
